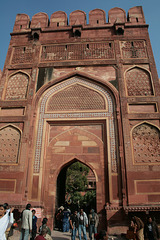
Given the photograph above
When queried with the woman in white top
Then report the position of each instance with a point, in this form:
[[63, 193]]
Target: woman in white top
[[6, 220]]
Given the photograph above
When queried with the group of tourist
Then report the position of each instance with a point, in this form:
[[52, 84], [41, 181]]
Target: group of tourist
[[78, 222], [29, 226]]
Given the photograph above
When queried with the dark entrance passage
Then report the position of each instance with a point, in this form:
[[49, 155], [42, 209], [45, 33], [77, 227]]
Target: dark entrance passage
[[61, 188]]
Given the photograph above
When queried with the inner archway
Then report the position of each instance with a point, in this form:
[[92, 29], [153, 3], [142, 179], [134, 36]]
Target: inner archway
[[76, 187]]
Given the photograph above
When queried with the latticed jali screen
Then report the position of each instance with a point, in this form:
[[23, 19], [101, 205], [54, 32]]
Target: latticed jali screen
[[134, 49], [78, 51]]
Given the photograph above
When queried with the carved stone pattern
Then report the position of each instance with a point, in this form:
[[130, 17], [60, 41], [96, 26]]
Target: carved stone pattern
[[146, 144], [133, 49], [9, 145], [17, 87], [138, 82], [76, 97], [78, 115], [77, 51], [22, 55]]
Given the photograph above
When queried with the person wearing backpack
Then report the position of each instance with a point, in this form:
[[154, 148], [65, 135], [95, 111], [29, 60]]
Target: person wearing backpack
[[138, 227], [93, 220]]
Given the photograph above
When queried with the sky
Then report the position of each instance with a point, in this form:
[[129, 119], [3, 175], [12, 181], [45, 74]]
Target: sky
[[10, 8]]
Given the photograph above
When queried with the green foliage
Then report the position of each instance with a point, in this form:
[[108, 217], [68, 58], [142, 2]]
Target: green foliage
[[76, 198], [76, 178], [76, 183], [78, 167], [89, 198]]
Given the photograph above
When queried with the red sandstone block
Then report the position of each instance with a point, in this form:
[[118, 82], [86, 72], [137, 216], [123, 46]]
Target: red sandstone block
[[73, 149], [75, 143], [138, 199], [154, 198]]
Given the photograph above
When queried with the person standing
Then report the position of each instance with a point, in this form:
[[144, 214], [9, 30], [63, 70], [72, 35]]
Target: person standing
[[74, 224], [6, 220], [151, 230], [26, 227], [83, 223], [93, 220], [34, 224], [65, 220], [9, 229], [44, 225], [59, 219], [138, 227]]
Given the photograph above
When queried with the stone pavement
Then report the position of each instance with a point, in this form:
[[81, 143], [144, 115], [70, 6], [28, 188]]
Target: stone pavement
[[56, 235]]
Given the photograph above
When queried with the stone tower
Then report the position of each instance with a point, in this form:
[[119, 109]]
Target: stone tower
[[72, 91]]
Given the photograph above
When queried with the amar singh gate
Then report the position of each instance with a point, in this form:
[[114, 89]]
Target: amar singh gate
[[72, 91]]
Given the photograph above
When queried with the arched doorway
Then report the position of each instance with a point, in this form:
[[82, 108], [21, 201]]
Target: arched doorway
[[76, 187]]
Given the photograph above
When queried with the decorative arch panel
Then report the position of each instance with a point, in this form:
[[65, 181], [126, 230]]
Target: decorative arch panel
[[146, 144], [75, 98], [17, 86], [9, 145], [138, 82]]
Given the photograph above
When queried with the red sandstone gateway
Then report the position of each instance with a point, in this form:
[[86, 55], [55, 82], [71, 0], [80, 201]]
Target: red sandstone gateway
[[81, 92]]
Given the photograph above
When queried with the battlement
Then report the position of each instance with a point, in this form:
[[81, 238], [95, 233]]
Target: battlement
[[97, 17]]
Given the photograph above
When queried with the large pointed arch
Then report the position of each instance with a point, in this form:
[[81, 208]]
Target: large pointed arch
[[73, 160], [109, 114], [96, 80]]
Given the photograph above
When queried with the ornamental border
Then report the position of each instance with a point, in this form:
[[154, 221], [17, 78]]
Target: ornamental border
[[77, 115]]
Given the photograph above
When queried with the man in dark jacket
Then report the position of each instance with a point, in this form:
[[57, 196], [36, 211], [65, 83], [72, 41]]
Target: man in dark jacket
[[34, 224], [74, 222], [151, 230]]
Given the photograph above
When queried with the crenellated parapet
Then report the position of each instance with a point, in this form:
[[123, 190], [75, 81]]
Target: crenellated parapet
[[116, 15], [77, 17], [58, 19], [39, 20], [22, 22], [97, 17], [136, 14]]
